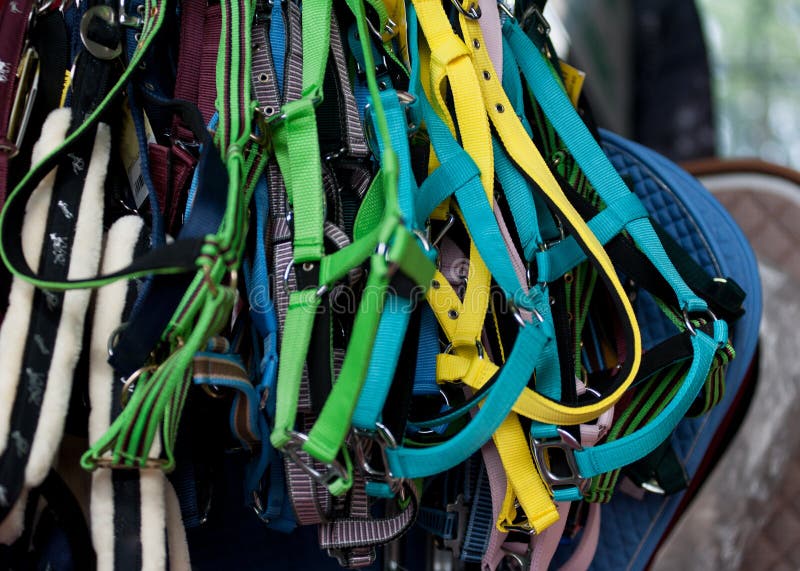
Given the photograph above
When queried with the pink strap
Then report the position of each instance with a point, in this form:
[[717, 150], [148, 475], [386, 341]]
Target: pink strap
[[544, 545], [492, 34], [498, 485], [584, 554]]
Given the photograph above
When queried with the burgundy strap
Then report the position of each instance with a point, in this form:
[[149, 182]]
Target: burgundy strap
[[201, 26], [171, 170], [13, 28], [172, 166]]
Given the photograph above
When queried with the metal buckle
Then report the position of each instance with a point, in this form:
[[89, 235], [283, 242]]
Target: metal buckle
[[129, 384], [473, 12], [332, 471], [24, 98], [542, 25], [451, 219], [389, 30], [507, 10], [515, 311], [462, 509], [130, 21], [569, 445], [275, 118], [407, 103], [108, 15], [382, 436]]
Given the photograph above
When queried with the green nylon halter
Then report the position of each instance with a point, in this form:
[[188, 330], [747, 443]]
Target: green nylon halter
[[388, 245], [160, 393]]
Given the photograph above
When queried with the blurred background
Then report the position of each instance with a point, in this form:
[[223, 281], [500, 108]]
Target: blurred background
[[720, 78], [725, 72]]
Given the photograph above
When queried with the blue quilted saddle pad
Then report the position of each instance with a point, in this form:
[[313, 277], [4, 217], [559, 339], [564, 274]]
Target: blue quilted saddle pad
[[631, 529]]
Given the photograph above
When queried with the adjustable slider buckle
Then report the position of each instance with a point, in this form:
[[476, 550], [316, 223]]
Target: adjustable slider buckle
[[333, 471], [568, 445]]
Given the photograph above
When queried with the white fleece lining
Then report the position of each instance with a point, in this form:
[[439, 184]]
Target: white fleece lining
[[109, 305], [84, 262], [153, 516], [16, 323], [176, 532]]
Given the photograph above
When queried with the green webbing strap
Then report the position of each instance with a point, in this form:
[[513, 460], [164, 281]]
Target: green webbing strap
[[391, 248], [160, 390], [296, 141]]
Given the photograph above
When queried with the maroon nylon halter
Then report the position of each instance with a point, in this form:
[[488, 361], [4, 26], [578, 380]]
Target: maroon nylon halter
[[171, 166]]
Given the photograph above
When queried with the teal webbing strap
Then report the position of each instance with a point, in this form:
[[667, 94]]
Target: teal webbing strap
[[517, 370], [397, 309], [598, 169], [566, 254], [637, 445]]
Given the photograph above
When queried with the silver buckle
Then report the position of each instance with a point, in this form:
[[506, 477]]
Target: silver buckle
[[569, 445], [363, 441], [332, 471]]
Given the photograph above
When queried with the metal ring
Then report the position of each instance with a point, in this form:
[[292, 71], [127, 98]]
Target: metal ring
[[689, 327], [129, 384], [105, 13], [114, 338]]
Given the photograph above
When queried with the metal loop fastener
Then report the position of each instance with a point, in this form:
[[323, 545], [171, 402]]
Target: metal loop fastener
[[129, 384], [542, 25], [98, 50], [473, 12], [383, 438], [478, 346], [688, 322], [569, 445], [322, 290], [332, 471]]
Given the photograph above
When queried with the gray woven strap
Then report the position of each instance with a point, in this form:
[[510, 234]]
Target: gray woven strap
[[293, 82], [347, 533], [354, 141], [356, 507], [265, 84]]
